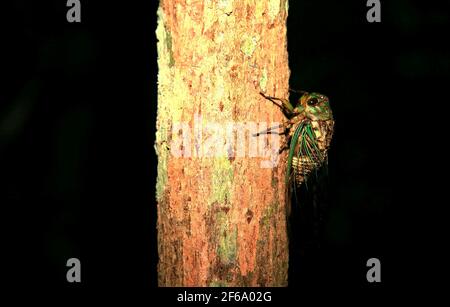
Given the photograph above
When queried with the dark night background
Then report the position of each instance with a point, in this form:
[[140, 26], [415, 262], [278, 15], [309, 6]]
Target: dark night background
[[77, 124]]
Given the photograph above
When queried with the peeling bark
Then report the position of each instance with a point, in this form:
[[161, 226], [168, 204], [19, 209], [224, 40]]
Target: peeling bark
[[221, 219]]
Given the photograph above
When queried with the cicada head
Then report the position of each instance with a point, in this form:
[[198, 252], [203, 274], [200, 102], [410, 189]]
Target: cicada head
[[315, 106]]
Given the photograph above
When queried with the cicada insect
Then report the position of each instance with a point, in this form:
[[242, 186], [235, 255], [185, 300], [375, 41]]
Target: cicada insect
[[308, 130]]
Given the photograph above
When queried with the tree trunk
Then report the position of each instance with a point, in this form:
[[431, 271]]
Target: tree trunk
[[220, 190]]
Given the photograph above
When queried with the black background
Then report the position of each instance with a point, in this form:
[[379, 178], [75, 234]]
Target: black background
[[77, 120]]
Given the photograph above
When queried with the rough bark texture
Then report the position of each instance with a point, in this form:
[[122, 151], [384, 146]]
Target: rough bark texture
[[221, 220]]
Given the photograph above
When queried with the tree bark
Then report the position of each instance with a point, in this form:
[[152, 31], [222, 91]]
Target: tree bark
[[221, 207]]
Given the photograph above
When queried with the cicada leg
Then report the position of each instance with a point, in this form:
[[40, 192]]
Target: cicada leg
[[284, 146], [284, 129], [284, 105]]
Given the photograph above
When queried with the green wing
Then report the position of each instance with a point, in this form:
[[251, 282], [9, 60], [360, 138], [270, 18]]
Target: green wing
[[294, 141]]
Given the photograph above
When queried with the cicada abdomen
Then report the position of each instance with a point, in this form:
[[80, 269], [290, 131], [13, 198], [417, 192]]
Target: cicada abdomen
[[310, 149]]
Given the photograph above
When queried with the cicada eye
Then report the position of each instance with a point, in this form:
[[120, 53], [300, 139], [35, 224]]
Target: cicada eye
[[312, 101]]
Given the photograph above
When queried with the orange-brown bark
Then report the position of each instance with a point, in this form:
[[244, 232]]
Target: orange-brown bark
[[221, 218]]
